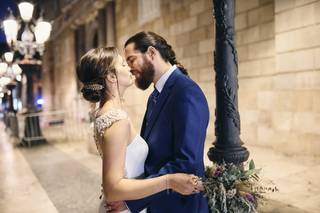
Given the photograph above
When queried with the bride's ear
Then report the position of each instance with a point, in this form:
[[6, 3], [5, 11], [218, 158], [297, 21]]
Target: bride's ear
[[111, 77]]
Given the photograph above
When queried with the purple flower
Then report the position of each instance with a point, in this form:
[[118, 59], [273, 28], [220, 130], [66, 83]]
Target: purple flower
[[250, 197], [217, 172]]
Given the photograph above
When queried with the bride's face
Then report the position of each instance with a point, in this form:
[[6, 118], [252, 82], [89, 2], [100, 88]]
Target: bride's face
[[125, 78]]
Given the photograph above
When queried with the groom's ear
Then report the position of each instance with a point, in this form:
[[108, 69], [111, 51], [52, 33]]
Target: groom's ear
[[151, 52], [112, 78]]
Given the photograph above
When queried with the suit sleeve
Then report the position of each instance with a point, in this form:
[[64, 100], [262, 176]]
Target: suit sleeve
[[190, 120]]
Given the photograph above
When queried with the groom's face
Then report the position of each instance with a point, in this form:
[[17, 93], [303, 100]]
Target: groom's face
[[141, 67]]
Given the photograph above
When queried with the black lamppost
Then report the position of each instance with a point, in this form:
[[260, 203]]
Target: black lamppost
[[31, 42], [4, 107], [35, 32], [11, 114], [228, 145], [10, 74], [32, 129]]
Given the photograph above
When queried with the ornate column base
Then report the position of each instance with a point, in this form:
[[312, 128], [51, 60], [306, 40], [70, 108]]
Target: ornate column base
[[32, 132], [236, 155]]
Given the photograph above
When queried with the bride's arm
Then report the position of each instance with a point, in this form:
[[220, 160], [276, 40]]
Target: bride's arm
[[116, 187]]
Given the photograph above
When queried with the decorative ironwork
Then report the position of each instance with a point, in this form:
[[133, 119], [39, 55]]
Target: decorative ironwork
[[230, 101], [228, 146], [34, 35]]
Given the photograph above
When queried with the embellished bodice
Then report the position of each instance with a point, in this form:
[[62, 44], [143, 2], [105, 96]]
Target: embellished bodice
[[105, 121], [137, 150]]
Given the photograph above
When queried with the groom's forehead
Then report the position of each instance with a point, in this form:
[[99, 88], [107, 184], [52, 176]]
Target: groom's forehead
[[130, 51], [131, 48]]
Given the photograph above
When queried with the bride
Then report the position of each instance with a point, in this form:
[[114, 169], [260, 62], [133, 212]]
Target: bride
[[105, 76]]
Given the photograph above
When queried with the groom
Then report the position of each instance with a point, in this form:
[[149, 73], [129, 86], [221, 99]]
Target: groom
[[174, 125]]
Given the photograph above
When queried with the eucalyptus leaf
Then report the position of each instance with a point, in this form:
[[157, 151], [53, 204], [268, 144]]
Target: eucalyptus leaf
[[251, 165]]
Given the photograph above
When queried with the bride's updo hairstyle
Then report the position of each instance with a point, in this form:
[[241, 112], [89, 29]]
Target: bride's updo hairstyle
[[92, 70]]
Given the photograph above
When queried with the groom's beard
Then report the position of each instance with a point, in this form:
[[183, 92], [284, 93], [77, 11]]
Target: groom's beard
[[146, 75]]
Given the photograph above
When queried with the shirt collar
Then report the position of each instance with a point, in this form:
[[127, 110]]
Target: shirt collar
[[162, 81]]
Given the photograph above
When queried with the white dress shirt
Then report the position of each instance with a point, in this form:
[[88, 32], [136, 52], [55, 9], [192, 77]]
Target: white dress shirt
[[162, 81]]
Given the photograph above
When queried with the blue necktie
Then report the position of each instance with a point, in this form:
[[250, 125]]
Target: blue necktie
[[152, 102]]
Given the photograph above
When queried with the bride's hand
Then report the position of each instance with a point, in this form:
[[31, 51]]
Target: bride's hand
[[185, 184], [114, 207]]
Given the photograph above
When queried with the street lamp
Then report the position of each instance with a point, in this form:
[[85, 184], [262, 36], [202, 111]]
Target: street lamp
[[26, 11], [3, 68], [4, 77], [8, 56], [9, 70], [33, 36], [10, 73], [31, 41]]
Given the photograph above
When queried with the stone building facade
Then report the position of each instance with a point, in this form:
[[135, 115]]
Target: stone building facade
[[279, 74], [278, 49]]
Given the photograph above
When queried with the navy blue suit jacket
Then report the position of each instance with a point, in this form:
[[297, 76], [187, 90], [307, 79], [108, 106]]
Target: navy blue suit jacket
[[175, 134]]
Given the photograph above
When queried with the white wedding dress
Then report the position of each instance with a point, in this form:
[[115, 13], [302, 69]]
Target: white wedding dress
[[136, 152]]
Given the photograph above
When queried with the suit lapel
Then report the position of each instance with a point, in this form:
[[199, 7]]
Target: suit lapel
[[161, 101], [143, 127]]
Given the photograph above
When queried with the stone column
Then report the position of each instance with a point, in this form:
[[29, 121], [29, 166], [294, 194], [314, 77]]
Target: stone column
[[110, 21], [228, 145], [101, 28]]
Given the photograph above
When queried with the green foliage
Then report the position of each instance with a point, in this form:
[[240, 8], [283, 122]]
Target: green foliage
[[232, 189], [251, 165]]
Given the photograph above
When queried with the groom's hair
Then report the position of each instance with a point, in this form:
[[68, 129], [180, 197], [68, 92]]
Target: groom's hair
[[143, 40]]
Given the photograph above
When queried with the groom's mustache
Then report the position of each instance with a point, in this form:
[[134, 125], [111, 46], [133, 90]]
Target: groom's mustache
[[135, 73]]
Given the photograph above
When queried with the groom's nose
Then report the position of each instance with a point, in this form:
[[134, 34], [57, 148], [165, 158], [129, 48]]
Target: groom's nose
[[131, 71]]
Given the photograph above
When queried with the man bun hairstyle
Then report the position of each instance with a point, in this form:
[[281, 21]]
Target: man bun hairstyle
[[143, 40]]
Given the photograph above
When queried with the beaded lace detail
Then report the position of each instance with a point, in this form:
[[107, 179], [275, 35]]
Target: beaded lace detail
[[105, 121]]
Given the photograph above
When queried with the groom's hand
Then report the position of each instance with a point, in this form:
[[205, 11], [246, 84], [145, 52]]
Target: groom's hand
[[117, 206]]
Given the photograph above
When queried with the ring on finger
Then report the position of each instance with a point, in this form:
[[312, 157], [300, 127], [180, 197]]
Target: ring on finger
[[195, 181]]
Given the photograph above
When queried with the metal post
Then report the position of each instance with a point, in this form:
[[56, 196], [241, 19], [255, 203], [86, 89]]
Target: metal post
[[228, 145], [32, 131], [12, 118]]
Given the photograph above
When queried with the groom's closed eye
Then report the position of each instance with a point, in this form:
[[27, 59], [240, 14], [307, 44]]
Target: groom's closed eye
[[131, 60]]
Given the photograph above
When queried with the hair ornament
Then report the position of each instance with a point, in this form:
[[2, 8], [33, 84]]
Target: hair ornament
[[93, 86]]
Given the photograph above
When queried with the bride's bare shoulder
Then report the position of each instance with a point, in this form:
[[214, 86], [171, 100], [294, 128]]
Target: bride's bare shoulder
[[119, 132]]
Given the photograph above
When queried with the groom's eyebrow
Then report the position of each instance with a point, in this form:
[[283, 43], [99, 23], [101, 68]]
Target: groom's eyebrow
[[130, 57]]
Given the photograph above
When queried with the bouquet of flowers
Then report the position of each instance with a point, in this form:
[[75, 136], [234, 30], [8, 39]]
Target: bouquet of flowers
[[233, 189]]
